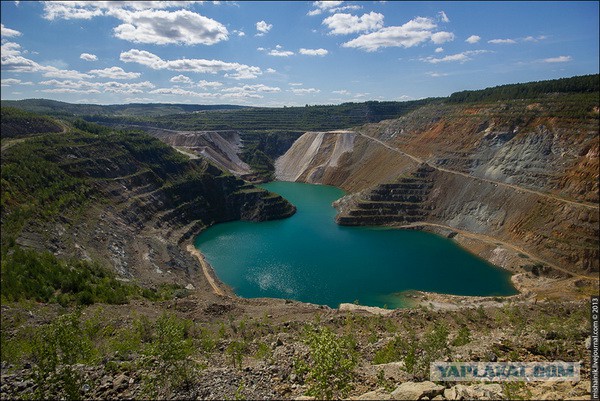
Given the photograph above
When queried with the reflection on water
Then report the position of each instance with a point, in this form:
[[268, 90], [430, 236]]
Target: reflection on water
[[309, 258]]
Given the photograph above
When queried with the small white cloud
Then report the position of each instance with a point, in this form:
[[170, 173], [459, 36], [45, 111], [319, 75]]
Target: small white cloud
[[7, 32], [439, 50], [182, 79], [262, 28], [459, 57], [295, 84], [442, 37], [270, 71], [436, 74], [321, 6], [10, 81], [473, 39], [534, 38], [279, 47], [313, 52], [253, 88], [88, 57], [443, 16], [239, 33], [176, 91], [341, 92], [115, 73], [343, 24], [261, 49], [559, 59], [304, 91], [53, 72], [502, 41], [281, 53], [209, 84]]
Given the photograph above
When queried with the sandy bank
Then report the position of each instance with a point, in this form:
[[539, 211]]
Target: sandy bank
[[206, 269]]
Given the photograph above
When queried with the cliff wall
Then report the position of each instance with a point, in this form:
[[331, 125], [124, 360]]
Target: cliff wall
[[127, 200], [516, 172]]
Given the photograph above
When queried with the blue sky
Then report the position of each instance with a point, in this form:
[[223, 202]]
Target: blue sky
[[287, 53]]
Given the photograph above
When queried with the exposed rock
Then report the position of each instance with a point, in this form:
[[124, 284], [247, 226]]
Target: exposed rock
[[378, 394], [371, 309], [475, 392], [416, 391]]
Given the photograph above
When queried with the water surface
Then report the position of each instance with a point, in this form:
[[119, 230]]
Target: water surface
[[309, 258]]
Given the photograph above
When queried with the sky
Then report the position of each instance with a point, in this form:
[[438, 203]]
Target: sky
[[287, 53]]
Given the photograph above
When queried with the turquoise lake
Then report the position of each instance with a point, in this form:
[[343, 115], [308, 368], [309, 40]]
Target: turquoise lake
[[309, 258]]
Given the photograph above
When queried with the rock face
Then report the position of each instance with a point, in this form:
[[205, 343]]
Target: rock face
[[144, 200], [313, 154], [514, 174], [221, 147], [475, 392], [416, 391]]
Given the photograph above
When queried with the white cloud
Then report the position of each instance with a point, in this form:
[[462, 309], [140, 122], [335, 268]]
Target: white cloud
[[168, 27], [53, 72], [559, 59], [67, 90], [238, 71], [182, 79], [12, 60], [534, 38], [502, 41], [7, 32], [81, 86], [341, 92], [262, 28], [439, 50], [252, 88], [10, 81], [313, 52], [120, 87], [343, 24], [281, 53], [239, 33], [209, 84], [459, 57], [270, 71], [295, 84], [88, 57], [279, 47], [115, 73], [10, 49], [473, 39], [436, 74], [138, 100], [414, 32], [443, 16], [304, 91], [442, 37], [89, 9], [321, 6], [178, 92]]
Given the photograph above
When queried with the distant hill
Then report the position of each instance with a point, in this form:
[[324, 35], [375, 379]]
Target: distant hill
[[579, 84], [16, 123], [54, 107]]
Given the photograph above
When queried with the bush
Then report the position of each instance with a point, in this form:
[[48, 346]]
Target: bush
[[56, 349], [331, 364]]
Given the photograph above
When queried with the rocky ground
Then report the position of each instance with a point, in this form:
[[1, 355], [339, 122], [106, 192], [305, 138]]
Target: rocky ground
[[251, 349]]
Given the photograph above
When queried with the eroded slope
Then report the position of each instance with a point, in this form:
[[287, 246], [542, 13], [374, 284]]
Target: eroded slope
[[523, 175]]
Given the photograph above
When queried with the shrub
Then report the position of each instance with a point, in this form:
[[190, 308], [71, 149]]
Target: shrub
[[331, 365]]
